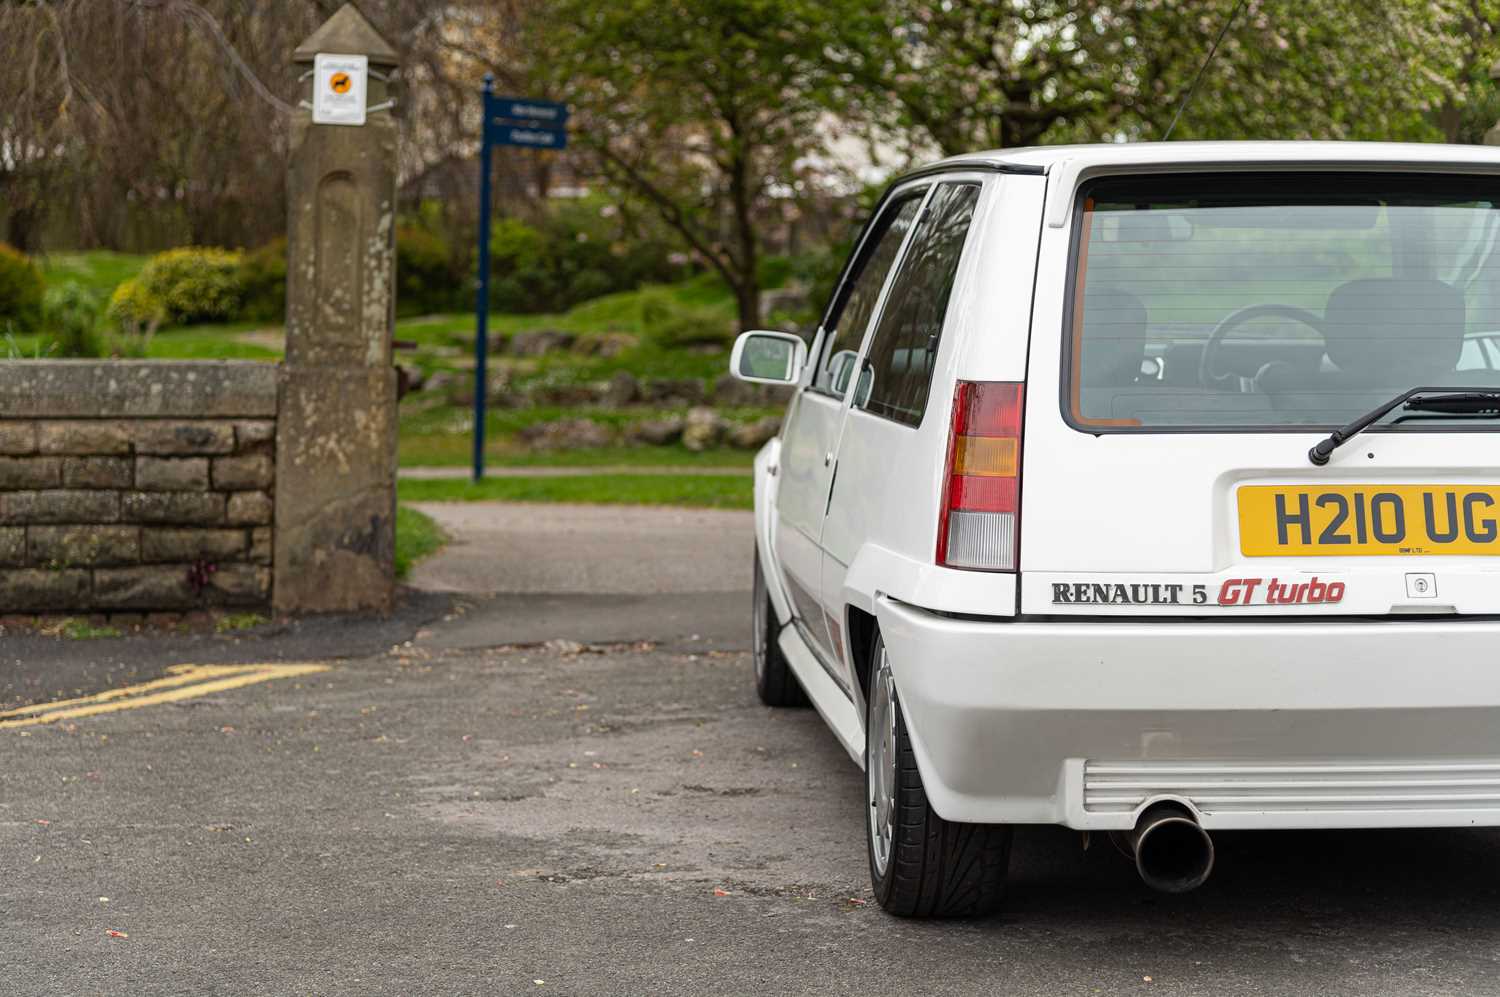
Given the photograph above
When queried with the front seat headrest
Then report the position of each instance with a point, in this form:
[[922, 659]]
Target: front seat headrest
[[1401, 329], [1113, 341]]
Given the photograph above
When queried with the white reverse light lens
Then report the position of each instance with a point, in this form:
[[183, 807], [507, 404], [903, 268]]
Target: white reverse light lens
[[984, 540]]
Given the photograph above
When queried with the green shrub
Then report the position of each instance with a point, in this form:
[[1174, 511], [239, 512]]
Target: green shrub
[[195, 284], [819, 271], [514, 245], [135, 311], [71, 314], [21, 288], [587, 284], [426, 279], [578, 251], [262, 278], [774, 271], [657, 307], [670, 324]]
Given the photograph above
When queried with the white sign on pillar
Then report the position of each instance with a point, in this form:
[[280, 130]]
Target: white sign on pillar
[[340, 83]]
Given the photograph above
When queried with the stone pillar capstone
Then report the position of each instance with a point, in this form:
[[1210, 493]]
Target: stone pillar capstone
[[336, 432]]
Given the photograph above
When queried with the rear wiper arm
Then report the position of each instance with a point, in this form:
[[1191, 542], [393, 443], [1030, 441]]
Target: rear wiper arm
[[1454, 400]]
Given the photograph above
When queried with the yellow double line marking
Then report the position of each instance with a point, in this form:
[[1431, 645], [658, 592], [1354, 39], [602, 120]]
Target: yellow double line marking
[[181, 682]]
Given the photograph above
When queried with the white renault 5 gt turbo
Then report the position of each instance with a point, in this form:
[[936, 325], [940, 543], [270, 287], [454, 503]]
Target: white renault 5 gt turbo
[[1149, 489]]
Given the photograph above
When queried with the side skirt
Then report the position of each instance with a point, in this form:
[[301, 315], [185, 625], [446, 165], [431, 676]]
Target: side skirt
[[829, 700]]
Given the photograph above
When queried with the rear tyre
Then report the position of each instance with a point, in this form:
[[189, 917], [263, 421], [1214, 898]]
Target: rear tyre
[[774, 680], [920, 864]]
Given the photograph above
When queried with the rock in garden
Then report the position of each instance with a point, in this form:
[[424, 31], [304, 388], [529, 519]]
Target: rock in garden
[[621, 390], [606, 345], [703, 429], [729, 391], [567, 434], [754, 435], [664, 391], [540, 342], [657, 432], [562, 395], [456, 389], [502, 395]]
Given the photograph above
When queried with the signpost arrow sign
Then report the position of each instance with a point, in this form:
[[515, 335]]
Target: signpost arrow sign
[[542, 112], [531, 138]]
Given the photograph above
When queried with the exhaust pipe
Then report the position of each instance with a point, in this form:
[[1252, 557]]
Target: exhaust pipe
[[1172, 852]]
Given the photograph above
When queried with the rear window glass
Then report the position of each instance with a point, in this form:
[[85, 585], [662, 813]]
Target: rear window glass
[[1278, 300]]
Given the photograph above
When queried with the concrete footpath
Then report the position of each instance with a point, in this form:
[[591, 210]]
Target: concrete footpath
[[645, 573]]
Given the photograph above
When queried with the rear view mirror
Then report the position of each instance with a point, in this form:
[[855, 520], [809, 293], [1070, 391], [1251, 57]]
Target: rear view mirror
[[841, 369], [768, 357], [1145, 226]]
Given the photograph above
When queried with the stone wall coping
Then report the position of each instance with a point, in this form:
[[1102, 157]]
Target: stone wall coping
[[140, 389]]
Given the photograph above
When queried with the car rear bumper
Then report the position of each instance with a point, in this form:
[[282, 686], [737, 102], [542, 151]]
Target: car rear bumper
[[1251, 724]]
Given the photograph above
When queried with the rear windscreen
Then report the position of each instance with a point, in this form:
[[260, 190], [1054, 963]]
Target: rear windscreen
[[1247, 300]]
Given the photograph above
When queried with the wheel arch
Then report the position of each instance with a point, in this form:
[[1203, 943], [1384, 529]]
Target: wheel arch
[[861, 627]]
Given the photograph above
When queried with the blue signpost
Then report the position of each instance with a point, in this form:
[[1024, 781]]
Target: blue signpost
[[515, 121]]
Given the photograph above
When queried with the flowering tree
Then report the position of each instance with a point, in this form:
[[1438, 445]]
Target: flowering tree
[[969, 74]]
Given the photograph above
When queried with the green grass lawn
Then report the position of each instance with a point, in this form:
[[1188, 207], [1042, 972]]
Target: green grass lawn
[[711, 491], [210, 342], [417, 536], [456, 450], [203, 342], [437, 435], [99, 270]]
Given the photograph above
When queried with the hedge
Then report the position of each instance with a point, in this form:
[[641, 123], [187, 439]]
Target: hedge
[[21, 290]]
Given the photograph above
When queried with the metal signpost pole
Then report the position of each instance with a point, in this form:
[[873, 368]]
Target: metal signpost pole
[[482, 306], [514, 121]]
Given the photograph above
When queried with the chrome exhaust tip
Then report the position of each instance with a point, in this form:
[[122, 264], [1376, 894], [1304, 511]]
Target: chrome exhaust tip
[[1172, 852]]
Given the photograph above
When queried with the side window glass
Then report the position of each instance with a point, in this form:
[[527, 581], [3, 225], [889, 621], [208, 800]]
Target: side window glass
[[836, 366], [905, 344]]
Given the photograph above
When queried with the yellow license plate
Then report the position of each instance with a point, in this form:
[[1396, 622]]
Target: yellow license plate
[[1334, 520]]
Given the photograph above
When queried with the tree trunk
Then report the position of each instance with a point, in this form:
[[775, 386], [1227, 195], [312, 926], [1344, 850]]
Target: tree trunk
[[747, 299], [20, 230], [747, 259], [543, 174], [1450, 120]]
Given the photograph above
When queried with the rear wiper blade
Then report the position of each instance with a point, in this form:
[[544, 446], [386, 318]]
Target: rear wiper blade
[[1454, 400], [1460, 403]]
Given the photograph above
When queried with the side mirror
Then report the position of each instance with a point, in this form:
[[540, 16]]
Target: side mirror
[[768, 357]]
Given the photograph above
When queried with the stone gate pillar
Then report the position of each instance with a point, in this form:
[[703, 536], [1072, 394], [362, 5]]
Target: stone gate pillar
[[336, 434]]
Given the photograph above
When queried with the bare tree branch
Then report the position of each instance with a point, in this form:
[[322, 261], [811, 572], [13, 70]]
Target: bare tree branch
[[210, 24]]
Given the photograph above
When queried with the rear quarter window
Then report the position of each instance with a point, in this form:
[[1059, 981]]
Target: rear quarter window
[[898, 374]]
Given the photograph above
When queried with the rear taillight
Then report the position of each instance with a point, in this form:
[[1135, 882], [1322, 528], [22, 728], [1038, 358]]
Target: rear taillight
[[981, 517]]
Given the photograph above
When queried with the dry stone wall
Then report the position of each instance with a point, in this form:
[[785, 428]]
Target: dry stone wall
[[131, 486]]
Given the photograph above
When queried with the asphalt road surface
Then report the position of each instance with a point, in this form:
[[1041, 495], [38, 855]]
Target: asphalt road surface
[[445, 802]]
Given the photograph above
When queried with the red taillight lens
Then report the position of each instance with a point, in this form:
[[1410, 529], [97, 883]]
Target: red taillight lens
[[980, 522]]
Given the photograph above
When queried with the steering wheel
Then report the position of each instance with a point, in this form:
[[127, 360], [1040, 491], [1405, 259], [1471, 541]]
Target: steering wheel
[[1234, 320]]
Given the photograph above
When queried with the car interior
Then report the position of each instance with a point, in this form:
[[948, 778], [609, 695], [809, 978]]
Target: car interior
[[1270, 363]]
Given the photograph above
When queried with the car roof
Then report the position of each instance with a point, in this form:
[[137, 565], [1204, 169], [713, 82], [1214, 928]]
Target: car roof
[[1045, 158], [1067, 164]]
